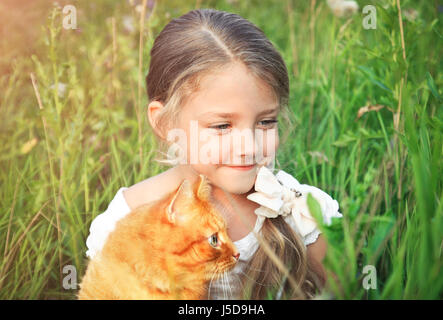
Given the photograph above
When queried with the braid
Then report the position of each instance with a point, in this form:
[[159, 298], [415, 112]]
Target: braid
[[292, 276]]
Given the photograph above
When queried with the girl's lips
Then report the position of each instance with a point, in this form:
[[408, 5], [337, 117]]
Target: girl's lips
[[243, 168]]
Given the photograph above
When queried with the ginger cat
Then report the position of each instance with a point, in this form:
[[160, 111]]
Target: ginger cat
[[169, 249]]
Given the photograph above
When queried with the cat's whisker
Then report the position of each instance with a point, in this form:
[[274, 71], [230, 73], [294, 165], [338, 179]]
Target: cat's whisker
[[224, 287], [225, 276], [210, 283], [229, 285]]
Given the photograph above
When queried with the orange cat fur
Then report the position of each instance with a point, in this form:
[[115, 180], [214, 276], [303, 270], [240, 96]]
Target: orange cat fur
[[169, 249]]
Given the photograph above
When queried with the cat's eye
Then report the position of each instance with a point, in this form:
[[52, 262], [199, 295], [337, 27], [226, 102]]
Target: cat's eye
[[213, 240]]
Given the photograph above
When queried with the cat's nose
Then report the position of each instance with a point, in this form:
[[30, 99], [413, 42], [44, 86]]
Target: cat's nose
[[236, 256]]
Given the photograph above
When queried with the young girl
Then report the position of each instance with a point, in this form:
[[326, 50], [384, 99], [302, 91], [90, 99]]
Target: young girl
[[214, 74]]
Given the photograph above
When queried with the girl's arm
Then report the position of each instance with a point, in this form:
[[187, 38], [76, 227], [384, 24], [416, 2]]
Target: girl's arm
[[316, 252], [317, 249]]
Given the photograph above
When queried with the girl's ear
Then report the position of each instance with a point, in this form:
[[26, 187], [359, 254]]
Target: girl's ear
[[153, 112], [183, 195]]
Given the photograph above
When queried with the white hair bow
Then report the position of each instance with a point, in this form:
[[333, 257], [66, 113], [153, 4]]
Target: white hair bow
[[284, 195]]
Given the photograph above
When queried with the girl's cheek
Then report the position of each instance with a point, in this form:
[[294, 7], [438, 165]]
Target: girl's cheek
[[270, 142], [277, 143], [226, 149], [215, 149], [218, 149]]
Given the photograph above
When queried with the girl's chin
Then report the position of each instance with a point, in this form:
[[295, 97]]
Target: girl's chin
[[234, 181], [240, 181], [240, 189]]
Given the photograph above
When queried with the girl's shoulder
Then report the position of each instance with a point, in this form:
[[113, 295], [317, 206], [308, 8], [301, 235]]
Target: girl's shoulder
[[151, 189], [125, 200]]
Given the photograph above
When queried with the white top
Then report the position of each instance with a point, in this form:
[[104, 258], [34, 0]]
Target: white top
[[223, 288]]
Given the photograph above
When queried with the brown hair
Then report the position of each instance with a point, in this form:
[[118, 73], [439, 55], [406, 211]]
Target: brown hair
[[204, 41]]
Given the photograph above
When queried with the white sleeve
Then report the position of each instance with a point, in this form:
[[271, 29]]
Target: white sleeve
[[298, 204], [104, 223], [307, 239], [311, 237], [329, 208]]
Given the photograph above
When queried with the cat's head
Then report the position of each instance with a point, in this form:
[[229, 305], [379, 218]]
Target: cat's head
[[198, 231]]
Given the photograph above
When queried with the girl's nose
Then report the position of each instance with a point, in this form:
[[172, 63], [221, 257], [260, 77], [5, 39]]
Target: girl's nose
[[236, 256], [245, 146]]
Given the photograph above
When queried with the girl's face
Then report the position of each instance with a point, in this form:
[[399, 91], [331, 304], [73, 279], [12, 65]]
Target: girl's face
[[230, 126]]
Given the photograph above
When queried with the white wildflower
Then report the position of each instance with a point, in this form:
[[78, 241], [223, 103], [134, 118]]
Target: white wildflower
[[128, 23], [61, 89], [342, 8]]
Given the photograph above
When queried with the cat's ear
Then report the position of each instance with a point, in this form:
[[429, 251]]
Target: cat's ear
[[184, 193], [204, 188]]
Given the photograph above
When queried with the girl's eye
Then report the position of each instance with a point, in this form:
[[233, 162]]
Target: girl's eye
[[224, 127], [221, 128], [269, 123], [213, 240]]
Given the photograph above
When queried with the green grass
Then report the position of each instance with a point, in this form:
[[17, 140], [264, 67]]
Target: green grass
[[386, 175]]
